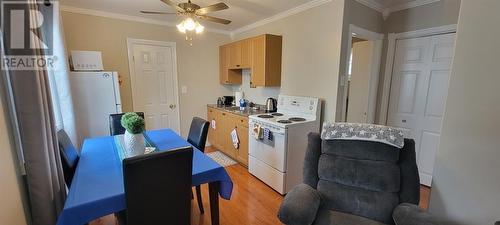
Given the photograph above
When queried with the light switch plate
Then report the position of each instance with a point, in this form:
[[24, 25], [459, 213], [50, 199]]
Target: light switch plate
[[184, 89]]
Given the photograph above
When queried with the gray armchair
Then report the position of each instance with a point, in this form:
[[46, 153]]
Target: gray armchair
[[349, 182]]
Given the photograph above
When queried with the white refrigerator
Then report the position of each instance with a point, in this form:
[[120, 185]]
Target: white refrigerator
[[96, 95]]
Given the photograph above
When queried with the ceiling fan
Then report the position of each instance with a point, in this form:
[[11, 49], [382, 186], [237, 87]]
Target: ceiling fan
[[194, 11]]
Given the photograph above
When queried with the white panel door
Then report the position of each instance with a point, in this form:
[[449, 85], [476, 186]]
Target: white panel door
[[419, 88], [153, 85]]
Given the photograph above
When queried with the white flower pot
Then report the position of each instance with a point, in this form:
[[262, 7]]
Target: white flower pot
[[134, 144]]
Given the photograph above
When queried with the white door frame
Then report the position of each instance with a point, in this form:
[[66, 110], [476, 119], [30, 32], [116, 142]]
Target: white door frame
[[378, 39], [130, 52], [391, 51]]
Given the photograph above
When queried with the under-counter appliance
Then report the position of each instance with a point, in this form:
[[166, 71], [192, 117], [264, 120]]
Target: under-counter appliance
[[96, 95], [277, 157]]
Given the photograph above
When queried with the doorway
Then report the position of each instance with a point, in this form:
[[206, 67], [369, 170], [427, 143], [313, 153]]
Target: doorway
[[361, 83], [153, 75]]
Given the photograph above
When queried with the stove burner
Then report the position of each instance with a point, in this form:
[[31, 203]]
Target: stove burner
[[277, 114], [284, 121], [265, 116], [296, 119]]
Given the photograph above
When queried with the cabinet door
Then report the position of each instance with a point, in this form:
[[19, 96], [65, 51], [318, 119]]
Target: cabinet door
[[235, 55], [211, 115], [225, 135], [246, 53], [258, 61], [243, 150], [226, 75], [223, 64]]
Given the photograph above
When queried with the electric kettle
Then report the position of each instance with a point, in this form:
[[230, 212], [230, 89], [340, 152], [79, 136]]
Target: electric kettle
[[271, 105]]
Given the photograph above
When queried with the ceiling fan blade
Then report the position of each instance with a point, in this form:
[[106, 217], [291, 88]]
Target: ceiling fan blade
[[159, 13], [212, 8], [173, 4], [214, 19]]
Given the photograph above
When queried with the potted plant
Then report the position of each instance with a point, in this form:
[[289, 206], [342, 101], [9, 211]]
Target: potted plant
[[133, 138]]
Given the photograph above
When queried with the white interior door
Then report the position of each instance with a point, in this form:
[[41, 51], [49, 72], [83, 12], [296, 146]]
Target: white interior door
[[359, 85], [154, 85], [418, 93]]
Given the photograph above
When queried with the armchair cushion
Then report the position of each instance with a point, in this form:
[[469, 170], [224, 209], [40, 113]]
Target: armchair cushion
[[328, 217], [409, 214], [300, 206]]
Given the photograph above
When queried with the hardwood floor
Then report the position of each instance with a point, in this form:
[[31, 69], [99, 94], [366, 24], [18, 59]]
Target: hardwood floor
[[252, 202]]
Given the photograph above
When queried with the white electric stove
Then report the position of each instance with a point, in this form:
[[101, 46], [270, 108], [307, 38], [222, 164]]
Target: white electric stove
[[277, 157]]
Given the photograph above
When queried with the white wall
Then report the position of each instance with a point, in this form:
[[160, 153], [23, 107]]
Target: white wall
[[466, 181], [361, 16], [311, 52], [257, 95], [11, 206], [197, 65]]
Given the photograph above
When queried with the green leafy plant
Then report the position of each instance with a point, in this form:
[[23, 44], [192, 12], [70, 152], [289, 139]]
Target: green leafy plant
[[133, 123]]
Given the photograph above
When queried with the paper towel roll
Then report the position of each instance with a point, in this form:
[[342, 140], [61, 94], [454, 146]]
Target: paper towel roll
[[237, 97]]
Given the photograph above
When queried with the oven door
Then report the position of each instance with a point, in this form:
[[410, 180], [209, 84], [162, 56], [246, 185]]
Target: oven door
[[271, 152]]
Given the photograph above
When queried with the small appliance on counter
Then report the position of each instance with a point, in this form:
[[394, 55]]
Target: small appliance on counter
[[238, 95], [86, 61], [227, 100], [271, 105]]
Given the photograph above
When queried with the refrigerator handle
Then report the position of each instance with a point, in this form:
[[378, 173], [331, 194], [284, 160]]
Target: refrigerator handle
[[116, 87], [118, 108]]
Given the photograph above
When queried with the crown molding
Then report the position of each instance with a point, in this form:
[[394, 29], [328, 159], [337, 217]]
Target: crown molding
[[373, 5], [99, 13], [292, 11], [387, 11], [412, 4]]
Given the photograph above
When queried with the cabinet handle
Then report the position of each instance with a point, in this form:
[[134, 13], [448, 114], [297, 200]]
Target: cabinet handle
[[223, 114], [237, 65]]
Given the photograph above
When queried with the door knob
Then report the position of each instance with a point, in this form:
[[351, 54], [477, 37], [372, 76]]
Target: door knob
[[172, 106]]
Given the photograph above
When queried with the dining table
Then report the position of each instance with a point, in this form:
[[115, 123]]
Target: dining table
[[97, 187]]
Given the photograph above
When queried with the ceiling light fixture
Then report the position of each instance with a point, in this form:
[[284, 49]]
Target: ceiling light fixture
[[189, 26]]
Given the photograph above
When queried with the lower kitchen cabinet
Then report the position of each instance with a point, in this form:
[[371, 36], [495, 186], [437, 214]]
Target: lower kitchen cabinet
[[220, 137]]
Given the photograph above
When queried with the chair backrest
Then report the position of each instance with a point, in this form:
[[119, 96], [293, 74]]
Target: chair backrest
[[364, 178], [158, 187], [198, 133], [115, 123], [69, 156]]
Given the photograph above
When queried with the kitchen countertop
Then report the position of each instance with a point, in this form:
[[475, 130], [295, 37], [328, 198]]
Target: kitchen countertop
[[236, 110]]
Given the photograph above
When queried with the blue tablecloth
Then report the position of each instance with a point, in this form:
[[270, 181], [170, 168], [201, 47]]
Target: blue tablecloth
[[97, 187]]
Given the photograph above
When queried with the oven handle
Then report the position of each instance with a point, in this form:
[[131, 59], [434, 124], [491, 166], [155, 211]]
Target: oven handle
[[273, 130]]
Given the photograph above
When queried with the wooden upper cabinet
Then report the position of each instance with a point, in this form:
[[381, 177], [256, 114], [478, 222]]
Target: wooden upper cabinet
[[246, 53], [266, 61], [261, 54], [226, 75], [235, 55]]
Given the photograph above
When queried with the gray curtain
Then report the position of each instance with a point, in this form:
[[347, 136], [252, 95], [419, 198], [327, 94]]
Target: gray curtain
[[35, 120]]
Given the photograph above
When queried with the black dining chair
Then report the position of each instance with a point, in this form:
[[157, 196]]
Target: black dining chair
[[158, 188], [198, 138], [115, 123], [69, 156]]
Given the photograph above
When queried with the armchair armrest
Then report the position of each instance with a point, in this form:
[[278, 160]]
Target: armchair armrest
[[409, 214], [300, 206]]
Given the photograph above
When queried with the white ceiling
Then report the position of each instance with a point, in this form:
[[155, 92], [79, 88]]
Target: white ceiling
[[240, 12]]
